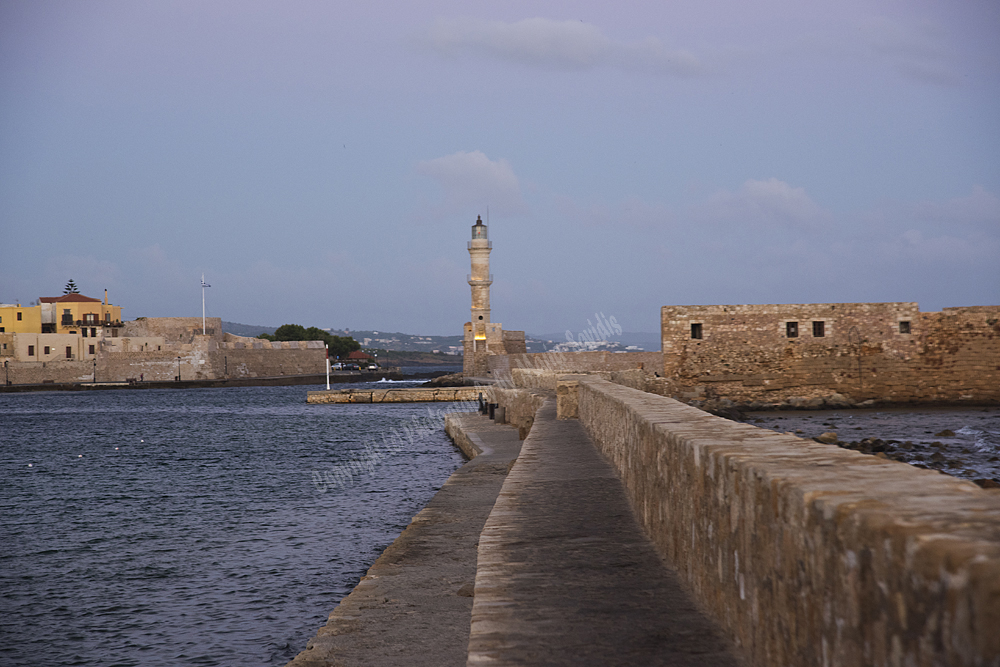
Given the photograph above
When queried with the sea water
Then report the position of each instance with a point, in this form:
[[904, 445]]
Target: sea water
[[184, 527]]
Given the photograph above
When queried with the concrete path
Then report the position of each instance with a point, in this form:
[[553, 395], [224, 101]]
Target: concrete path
[[566, 575], [414, 605]]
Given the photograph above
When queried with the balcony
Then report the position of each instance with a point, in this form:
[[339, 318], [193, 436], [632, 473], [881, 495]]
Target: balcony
[[476, 281]]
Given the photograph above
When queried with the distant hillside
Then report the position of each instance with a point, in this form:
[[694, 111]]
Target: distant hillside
[[250, 330], [650, 342]]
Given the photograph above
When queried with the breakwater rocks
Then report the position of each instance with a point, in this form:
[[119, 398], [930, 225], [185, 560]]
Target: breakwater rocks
[[961, 442], [933, 456]]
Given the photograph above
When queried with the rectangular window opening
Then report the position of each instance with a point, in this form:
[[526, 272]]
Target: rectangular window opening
[[904, 327], [31, 350], [91, 349], [792, 329], [48, 350], [84, 332], [69, 352], [19, 317], [696, 330], [819, 329]]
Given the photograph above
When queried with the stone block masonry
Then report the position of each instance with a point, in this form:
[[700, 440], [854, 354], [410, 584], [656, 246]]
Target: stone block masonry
[[807, 553], [890, 352]]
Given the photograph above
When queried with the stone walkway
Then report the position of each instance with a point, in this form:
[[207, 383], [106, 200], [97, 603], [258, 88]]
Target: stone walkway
[[561, 571], [567, 577]]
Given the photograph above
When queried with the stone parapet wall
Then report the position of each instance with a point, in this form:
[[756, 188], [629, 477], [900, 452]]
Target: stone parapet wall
[[173, 329], [520, 405], [271, 362], [890, 352], [576, 362], [808, 554], [37, 372]]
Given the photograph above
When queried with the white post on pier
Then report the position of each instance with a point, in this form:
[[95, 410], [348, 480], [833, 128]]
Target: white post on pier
[[203, 286], [327, 366]]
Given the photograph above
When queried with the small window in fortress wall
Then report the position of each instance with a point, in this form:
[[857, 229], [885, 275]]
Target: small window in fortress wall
[[31, 350], [696, 330], [904, 327], [819, 329], [91, 348], [792, 329]]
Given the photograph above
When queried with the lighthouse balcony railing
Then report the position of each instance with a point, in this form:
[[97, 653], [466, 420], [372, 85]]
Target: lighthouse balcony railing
[[489, 244], [469, 277]]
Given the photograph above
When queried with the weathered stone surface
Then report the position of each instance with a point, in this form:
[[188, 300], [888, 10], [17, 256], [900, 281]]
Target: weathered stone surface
[[566, 575], [839, 353], [808, 554], [394, 395]]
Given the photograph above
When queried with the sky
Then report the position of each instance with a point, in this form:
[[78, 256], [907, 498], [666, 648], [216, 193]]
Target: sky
[[321, 163]]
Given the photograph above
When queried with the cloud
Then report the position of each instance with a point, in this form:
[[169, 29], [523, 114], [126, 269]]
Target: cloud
[[565, 45], [771, 203], [473, 180], [916, 52]]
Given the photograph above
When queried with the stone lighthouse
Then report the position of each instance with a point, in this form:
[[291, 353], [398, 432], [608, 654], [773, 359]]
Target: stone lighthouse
[[483, 337]]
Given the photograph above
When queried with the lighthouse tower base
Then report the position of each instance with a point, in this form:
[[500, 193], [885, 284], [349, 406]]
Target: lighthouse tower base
[[489, 339]]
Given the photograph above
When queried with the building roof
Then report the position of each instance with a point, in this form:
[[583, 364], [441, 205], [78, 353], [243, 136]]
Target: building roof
[[358, 354], [66, 298]]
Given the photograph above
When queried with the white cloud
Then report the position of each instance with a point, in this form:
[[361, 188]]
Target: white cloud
[[770, 203], [473, 180], [570, 45]]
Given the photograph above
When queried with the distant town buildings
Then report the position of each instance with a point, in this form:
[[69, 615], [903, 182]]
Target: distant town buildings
[[67, 327]]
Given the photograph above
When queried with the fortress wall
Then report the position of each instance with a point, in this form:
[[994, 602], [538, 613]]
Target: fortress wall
[[808, 554], [270, 362], [173, 329], [745, 353], [36, 372], [576, 362]]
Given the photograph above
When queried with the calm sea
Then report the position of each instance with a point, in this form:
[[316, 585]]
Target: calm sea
[[183, 527]]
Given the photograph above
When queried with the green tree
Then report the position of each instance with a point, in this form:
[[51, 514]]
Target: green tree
[[71, 288], [290, 332], [340, 346]]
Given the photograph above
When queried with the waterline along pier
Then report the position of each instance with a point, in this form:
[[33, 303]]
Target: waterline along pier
[[628, 528]]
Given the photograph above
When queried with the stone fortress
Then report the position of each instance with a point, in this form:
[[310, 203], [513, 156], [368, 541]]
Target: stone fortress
[[90, 344]]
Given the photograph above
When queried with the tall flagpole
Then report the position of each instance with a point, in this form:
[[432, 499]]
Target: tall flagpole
[[203, 286], [327, 346]]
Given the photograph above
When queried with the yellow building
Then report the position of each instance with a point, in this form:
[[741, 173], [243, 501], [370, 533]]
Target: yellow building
[[76, 313], [15, 318]]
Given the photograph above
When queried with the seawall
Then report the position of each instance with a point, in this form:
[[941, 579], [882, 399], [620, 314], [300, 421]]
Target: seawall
[[397, 395], [807, 554]]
